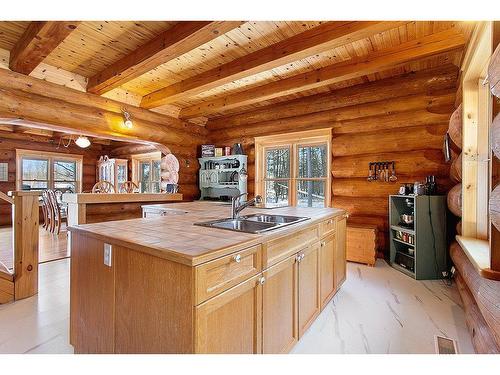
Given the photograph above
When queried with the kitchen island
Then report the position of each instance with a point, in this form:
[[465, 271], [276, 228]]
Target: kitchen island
[[165, 285]]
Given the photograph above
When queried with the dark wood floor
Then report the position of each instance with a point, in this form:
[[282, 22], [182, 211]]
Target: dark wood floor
[[51, 246]]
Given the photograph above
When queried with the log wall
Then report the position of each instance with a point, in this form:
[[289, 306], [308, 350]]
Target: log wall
[[402, 119]]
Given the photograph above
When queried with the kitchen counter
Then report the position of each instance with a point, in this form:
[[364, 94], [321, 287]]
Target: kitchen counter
[[92, 208], [174, 237], [165, 285]]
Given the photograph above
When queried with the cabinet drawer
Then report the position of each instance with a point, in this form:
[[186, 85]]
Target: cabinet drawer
[[327, 227], [221, 274], [282, 247]]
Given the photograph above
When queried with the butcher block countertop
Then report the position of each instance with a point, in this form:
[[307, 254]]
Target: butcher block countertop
[[174, 237]]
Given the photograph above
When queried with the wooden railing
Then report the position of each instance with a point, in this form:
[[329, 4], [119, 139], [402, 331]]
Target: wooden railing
[[23, 281]]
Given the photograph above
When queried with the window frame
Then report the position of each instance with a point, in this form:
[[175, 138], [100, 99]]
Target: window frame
[[136, 165], [293, 141], [52, 158]]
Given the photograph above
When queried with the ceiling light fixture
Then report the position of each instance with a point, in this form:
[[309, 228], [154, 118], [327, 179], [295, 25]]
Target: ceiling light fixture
[[82, 142], [128, 120]]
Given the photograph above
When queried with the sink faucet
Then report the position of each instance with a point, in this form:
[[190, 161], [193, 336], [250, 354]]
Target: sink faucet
[[237, 206]]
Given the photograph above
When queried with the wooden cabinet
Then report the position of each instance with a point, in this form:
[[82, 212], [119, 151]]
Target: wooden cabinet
[[235, 303], [308, 286], [339, 261], [279, 307], [92, 297], [362, 244], [327, 279], [220, 274], [114, 171], [231, 322]]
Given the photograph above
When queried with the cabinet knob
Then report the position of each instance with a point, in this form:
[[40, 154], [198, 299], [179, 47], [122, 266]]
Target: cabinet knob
[[322, 243], [237, 258], [330, 221], [262, 280]]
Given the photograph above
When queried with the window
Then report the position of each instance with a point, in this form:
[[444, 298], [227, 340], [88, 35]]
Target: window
[[146, 172], [294, 168], [48, 170]]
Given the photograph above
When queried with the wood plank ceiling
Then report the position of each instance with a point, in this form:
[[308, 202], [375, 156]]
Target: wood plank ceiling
[[200, 70]]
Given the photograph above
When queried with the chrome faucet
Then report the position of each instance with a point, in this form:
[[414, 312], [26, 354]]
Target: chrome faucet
[[237, 206]]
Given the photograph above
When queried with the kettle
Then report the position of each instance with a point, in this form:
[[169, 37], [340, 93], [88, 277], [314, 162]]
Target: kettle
[[237, 149]]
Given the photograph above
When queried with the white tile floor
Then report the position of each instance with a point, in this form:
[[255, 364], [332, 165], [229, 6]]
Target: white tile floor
[[378, 310]]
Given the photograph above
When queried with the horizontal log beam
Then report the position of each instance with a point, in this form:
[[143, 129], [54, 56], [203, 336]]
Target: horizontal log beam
[[324, 37], [420, 162], [415, 138], [423, 82], [174, 42], [30, 85], [360, 187], [37, 42], [421, 48], [46, 105], [392, 113]]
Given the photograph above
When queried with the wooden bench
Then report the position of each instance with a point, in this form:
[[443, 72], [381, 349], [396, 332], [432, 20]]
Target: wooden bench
[[362, 243]]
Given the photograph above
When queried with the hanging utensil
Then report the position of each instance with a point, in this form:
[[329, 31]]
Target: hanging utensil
[[393, 177], [386, 172], [370, 172]]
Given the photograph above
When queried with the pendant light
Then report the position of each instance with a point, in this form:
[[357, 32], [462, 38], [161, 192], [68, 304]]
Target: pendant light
[[82, 142]]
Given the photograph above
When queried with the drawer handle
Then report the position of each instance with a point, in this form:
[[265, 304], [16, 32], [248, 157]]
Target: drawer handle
[[237, 258], [323, 243], [330, 221], [262, 280]]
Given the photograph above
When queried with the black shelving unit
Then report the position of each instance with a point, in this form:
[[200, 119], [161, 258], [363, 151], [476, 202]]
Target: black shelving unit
[[418, 250]]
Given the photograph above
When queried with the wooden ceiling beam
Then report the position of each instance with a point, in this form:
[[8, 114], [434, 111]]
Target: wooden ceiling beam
[[37, 42], [174, 42], [431, 45], [44, 105], [322, 38]]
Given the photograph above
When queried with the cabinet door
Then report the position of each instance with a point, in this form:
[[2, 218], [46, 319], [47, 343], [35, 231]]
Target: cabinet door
[[340, 253], [92, 296], [232, 321], [327, 279], [279, 307], [309, 298]]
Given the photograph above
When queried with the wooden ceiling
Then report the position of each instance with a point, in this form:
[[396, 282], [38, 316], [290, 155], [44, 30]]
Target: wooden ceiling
[[211, 69]]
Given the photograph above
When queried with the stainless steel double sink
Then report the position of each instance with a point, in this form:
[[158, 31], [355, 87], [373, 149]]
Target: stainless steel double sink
[[256, 223]]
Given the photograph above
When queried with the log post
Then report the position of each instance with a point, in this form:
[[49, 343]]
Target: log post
[[25, 226]]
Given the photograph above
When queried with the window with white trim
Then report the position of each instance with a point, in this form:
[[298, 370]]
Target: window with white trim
[[146, 172], [294, 169], [38, 170]]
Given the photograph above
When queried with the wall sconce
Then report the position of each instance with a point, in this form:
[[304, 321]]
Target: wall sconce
[[128, 120]]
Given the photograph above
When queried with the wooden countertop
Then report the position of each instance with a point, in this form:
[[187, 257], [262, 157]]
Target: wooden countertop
[[175, 237], [90, 198]]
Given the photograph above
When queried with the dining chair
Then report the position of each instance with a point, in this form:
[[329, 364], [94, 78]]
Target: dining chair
[[48, 212], [103, 187], [58, 214], [129, 187]]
